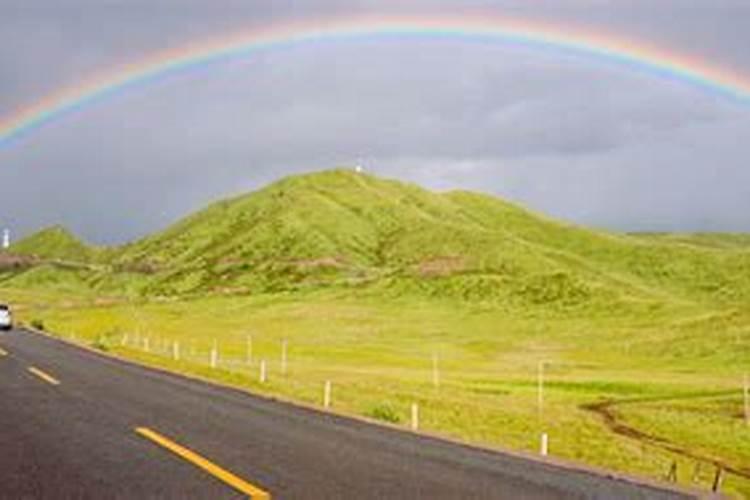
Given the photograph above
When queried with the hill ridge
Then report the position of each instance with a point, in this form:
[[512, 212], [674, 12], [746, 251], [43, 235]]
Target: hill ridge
[[345, 228]]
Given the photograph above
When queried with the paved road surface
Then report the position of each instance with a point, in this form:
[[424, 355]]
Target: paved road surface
[[77, 439]]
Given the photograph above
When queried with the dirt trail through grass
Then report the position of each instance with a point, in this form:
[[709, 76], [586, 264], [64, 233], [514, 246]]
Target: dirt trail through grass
[[606, 410]]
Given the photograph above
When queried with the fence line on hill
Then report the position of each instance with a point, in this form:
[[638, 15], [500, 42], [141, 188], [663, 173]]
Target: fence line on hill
[[260, 363]]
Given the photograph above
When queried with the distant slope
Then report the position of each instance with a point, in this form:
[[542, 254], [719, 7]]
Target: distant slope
[[346, 229], [711, 240], [340, 226], [55, 243]]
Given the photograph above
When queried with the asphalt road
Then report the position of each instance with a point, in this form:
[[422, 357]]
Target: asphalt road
[[77, 439]]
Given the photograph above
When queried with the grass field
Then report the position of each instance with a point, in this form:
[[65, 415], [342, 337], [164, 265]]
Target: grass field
[[379, 357]]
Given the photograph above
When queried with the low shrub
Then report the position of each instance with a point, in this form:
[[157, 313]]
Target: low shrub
[[384, 412]]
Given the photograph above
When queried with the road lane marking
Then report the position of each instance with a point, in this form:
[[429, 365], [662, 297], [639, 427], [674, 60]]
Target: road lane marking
[[208, 466], [3, 352], [44, 376]]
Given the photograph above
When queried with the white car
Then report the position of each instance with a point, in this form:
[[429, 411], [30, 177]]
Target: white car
[[6, 318]]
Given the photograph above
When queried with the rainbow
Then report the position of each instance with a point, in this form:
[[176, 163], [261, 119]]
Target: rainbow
[[606, 48]]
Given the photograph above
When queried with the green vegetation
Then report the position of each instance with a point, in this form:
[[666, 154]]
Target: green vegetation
[[56, 243], [368, 279], [384, 412]]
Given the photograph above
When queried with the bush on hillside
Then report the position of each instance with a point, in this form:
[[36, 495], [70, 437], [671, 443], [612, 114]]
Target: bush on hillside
[[384, 412], [553, 288]]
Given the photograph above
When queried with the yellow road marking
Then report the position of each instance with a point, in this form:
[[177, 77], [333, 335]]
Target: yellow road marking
[[208, 466], [3, 352], [44, 376]]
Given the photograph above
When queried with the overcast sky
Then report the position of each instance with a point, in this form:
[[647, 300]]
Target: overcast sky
[[572, 137]]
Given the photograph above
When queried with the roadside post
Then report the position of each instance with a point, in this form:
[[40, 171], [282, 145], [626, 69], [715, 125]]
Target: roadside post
[[746, 397], [327, 394], [544, 440], [414, 417], [262, 371], [214, 355], [718, 479]]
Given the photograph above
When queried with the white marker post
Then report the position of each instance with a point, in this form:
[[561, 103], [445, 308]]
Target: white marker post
[[540, 407], [176, 350], [746, 397], [146, 344], [214, 355], [327, 394], [283, 356], [414, 417], [262, 371]]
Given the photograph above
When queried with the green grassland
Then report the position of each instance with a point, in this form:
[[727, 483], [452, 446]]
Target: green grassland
[[369, 281]]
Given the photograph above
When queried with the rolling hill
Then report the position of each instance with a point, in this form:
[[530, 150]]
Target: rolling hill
[[55, 243], [343, 228]]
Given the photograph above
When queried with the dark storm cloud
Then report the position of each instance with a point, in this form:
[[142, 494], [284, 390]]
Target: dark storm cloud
[[573, 137]]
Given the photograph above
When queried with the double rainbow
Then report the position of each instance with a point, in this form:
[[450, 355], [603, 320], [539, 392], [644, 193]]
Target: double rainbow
[[497, 30]]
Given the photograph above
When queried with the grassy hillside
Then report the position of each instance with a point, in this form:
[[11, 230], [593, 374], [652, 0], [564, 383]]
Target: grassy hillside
[[370, 280], [340, 228], [55, 243], [344, 228]]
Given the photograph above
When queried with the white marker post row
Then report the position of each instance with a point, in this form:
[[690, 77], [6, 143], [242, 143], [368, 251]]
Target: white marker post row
[[414, 421]]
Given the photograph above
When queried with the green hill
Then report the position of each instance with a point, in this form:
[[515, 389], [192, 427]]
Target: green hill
[[343, 228], [55, 243]]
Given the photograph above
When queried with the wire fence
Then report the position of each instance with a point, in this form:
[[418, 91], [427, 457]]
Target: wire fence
[[419, 397]]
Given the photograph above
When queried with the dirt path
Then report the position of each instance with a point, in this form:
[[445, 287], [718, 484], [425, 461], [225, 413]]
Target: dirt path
[[606, 410]]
